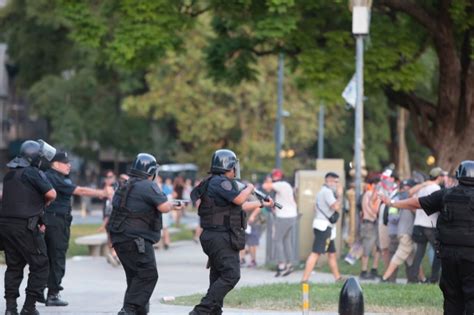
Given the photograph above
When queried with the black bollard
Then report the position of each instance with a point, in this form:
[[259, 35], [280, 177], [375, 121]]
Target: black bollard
[[351, 299]]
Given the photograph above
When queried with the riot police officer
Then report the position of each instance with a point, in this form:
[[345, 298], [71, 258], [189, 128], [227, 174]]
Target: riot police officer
[[455, 237], [26, 191], [58, 222], [135, 225], [223, 222]]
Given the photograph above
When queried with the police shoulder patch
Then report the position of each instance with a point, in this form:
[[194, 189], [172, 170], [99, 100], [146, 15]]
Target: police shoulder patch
[[226, 185], [155, 188]]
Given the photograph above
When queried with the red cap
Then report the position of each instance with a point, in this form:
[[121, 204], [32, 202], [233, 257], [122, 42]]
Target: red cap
[[277, 174]]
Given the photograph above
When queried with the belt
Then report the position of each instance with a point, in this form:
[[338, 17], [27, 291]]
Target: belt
[[13, 220], [55, 214], [367, 221], [216, 228]]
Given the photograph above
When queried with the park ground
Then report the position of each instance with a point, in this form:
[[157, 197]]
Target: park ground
[[94, 287]]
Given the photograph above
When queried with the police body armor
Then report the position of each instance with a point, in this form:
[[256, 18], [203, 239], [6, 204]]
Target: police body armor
[[20, 200], [123, 218], [229, 217], [455, 226]]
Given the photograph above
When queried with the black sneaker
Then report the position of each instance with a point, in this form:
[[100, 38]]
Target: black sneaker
[[364, 275], [11, 312], [124, 311], [55, 300], [287, 271], [279, 272], [374, 274]]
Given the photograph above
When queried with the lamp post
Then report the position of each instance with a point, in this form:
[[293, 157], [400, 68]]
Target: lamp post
[[280, 114], [360, 28]]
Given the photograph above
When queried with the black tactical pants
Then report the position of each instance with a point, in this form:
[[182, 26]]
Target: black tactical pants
[[422, 236], [224, 274], [140, 270], [457, 284], [23, 246], [58, 231]]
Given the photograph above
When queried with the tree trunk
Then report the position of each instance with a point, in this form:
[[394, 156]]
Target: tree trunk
[[403, 162], [451, 148], [445, 127]]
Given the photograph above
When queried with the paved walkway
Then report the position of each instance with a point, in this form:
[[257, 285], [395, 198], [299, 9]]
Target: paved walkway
[[94, 287]]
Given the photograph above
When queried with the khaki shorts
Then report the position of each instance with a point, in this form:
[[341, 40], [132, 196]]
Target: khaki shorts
[[405, 250], [368, 236], [384, 239]]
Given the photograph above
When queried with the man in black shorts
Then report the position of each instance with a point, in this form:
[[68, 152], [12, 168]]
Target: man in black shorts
[[328, 201]]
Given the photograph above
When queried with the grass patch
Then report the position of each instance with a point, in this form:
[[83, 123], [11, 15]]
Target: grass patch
[[347, 269], [77, 231], [182, 235], [413, 298]]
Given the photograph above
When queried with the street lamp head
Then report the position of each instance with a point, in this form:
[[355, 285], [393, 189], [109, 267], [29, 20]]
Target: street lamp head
[[360, 16], [360, 3]]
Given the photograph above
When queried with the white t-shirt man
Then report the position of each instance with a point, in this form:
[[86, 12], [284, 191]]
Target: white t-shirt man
[[324, 199], [284, 196], [421, 218]]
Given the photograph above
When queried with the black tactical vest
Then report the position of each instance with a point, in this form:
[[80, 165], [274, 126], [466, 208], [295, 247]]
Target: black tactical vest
[[122, 219], [229, 216], [456, 220], [20, 200]]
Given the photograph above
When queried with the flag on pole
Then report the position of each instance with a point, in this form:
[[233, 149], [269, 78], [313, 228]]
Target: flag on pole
[[350, 92]]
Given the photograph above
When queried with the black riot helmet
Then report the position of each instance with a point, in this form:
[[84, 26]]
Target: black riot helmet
[[33, 153], [144, 165], [465, 173], [223, 161]]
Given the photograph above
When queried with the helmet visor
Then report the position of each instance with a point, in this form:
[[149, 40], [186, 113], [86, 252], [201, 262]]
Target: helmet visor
[[47, 151], [237, 169]]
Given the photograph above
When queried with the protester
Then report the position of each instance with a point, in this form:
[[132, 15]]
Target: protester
[[285, 221], [178, 189], [369, 232], [328, 203], [388, 187], [110, 185], [424, 229], [255, 226], [167, 189], [406, 248]]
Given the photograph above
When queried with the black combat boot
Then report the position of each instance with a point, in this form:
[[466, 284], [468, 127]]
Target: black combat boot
[[26, 311], [55, 300], [126, 311], [11, 307], [29, 308], [41, 299]]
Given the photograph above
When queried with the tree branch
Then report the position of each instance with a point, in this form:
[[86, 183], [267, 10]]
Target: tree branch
[[411, 8], [408, 100]]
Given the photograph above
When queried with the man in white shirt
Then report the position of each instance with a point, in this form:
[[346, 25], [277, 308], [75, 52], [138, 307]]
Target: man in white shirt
[[328, 201], [425, 226], [285, 221]]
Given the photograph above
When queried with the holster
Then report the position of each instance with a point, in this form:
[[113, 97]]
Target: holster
[[140, 242], [237, 238], [33, 223]]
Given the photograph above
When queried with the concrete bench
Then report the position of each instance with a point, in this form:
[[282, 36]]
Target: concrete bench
[[97, 243]]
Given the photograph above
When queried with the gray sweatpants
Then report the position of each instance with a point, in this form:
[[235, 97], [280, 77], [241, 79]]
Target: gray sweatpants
[[282, 237]]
